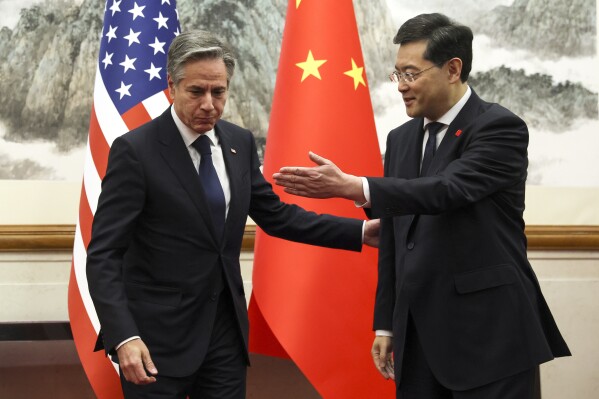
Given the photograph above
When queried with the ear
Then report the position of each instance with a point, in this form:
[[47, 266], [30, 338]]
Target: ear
[[171, 87], [454, 68]]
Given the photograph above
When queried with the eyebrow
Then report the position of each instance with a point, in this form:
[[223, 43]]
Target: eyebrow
[[196, 87], [410, 66]]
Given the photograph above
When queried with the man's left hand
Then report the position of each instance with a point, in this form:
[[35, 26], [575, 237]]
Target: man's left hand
[[371, 232]]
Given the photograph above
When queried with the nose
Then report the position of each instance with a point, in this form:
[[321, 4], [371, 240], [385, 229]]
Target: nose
[[402, 86], [206, 102]]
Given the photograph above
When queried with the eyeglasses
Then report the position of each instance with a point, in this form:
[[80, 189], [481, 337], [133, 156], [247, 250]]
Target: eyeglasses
[[407, 77]]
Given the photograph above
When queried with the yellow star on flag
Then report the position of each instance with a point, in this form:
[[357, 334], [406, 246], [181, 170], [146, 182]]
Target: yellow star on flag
[[310, 66], [357, 74], [297, 3]]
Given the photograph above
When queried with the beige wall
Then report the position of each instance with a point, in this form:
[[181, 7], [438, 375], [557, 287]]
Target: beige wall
[[570, 283], [33, 287], [57, 202]]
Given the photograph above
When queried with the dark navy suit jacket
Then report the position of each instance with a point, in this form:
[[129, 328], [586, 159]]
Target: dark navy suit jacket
[[453, 250], [154, 266]]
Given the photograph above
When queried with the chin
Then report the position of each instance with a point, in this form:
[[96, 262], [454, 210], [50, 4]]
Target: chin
[[203, 128], [413, 113]]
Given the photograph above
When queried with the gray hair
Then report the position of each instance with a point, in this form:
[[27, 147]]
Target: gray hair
[[194, 45]]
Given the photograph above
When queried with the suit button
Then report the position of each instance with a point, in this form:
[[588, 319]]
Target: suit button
[[213, 297], [410, 245]]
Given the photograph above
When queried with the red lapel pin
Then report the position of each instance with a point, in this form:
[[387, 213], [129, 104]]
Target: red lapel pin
[[457, 134]]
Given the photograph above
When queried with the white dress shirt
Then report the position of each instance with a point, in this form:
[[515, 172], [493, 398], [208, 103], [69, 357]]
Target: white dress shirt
[[189, 136]]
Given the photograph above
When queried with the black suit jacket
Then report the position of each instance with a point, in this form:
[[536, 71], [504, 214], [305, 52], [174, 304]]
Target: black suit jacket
[[154, 266], [453, 250]]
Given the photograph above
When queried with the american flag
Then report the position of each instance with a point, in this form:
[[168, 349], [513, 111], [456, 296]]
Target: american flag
[[129, 90]]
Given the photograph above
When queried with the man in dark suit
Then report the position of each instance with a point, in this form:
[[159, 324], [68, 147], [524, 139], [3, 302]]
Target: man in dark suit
[[163, 262], [457, 301]]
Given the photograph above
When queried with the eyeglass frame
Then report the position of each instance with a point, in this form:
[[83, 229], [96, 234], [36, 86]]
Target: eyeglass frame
[[409, 77]]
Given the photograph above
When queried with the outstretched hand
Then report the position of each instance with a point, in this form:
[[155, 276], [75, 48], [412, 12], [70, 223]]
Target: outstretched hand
[[325, 180]]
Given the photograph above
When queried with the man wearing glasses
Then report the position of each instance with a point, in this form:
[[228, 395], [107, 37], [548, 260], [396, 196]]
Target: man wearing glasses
[[459, 312]]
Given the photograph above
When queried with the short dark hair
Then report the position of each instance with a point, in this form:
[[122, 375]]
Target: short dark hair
[[445, 38]]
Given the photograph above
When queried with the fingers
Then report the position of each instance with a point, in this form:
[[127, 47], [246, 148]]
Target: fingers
[[302, 171], [299, 192], [382, 357], [390, 367], [301, 183], [137, 374], [325, 180], [135, 363], [149, 364], [289, 181], [380, 362], [317, 159], [305, 171]]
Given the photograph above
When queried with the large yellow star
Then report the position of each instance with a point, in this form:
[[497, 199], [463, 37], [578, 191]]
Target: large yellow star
[[357, 74], [310, 66], [297, 3]]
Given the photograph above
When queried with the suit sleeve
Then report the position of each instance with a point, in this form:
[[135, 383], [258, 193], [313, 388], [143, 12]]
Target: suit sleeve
[[294, 223], [494, 159], [385, 290], [119, 206]]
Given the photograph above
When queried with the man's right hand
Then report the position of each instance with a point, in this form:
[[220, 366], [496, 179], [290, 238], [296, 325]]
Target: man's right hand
[[325, 180], [136, 363], [382, 355]]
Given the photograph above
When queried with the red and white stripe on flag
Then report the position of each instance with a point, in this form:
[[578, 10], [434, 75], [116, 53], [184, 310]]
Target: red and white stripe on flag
[[130, 89]]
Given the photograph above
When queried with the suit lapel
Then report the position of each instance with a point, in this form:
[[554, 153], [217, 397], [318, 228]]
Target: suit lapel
[[233, 170], [413, 155], [410, 151], [176, 155], [454, 132]]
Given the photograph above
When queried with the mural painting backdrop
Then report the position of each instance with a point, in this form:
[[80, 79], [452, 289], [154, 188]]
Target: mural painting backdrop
[[536, 57]]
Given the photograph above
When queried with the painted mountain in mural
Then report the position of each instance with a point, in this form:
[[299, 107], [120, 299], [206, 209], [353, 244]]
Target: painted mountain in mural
[[48, 62]]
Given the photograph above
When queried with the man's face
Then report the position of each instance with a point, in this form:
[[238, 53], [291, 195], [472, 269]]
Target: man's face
[[199, 98], [427, 96]]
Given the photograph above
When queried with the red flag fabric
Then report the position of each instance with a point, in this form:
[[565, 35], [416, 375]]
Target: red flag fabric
[[317, 302], [130, 89]]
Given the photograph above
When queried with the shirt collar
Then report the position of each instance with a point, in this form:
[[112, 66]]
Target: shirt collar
[[450, 115], [189, 135]]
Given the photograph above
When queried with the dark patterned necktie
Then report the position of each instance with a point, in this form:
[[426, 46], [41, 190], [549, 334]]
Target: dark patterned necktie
[[431, 146], [212, 187]]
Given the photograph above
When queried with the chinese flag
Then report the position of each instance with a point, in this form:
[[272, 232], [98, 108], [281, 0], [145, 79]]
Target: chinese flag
[[310, 303]]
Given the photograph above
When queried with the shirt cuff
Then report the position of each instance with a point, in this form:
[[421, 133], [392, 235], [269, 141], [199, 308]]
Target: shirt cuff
[[125, 341], [363, 230], [383, 333], [366, 189]]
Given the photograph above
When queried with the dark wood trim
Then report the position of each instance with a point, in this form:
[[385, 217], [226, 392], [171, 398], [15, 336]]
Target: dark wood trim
[[249, 237], [60, 237], [563, 237], [35, 331], [25, 237]]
